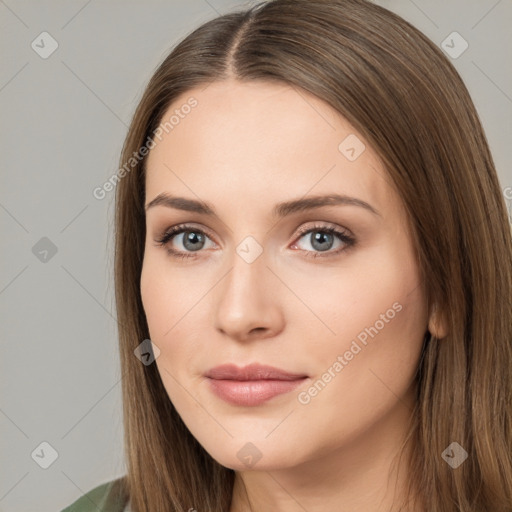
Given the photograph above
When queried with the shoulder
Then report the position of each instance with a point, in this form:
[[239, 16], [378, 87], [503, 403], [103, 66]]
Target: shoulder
[[108, 497]]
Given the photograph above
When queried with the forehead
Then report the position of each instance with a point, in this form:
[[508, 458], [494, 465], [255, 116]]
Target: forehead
[[263, 141]]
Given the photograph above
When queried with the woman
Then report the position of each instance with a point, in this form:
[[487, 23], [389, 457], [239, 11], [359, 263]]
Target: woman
[[313, 275]]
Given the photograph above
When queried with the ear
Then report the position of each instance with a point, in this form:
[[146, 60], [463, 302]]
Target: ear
[[437, 324]]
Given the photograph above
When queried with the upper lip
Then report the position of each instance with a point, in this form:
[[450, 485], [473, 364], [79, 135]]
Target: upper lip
[[253, 371]]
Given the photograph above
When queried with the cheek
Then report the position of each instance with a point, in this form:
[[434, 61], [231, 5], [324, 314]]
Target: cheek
[[340, 300], [168, 295], [379, 318], [174, 302], [370, 311], [370, 365], [154, 296]]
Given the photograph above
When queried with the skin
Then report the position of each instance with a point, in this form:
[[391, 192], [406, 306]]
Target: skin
[[244, 148]]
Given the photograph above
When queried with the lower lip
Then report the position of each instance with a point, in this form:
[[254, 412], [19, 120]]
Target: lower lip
[[252, 392]]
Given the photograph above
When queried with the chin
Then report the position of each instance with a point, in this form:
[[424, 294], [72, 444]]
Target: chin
[[257, 455]]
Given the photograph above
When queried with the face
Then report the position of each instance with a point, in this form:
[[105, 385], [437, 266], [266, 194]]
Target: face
[[326, 291]]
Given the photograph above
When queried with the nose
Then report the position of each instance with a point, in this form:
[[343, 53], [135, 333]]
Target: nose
[[246, 301]]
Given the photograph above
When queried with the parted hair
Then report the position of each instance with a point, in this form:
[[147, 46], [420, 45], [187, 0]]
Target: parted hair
[[407, 100]]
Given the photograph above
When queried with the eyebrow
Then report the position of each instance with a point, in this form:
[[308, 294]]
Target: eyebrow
[[279, 210]]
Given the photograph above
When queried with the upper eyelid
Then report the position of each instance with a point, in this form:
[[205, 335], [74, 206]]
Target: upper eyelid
[[179, 228], [323, 225]]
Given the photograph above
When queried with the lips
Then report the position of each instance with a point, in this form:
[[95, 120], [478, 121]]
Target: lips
[[251, 385], [251, 372]]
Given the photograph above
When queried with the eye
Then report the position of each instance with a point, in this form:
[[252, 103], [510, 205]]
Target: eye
[[322, 238], [191, 238]]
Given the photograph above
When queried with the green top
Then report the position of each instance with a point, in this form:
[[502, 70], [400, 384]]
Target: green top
[[107, 497]]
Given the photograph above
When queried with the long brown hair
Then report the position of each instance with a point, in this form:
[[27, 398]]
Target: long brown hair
[[404, 96]]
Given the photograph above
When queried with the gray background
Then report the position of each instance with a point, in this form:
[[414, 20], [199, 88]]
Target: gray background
[[63, 121]]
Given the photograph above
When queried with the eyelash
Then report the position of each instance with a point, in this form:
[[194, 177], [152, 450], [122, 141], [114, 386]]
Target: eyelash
[[348, 240]]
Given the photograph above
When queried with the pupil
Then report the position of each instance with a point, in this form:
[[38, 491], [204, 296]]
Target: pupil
[[319, 241], [192, 238]]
